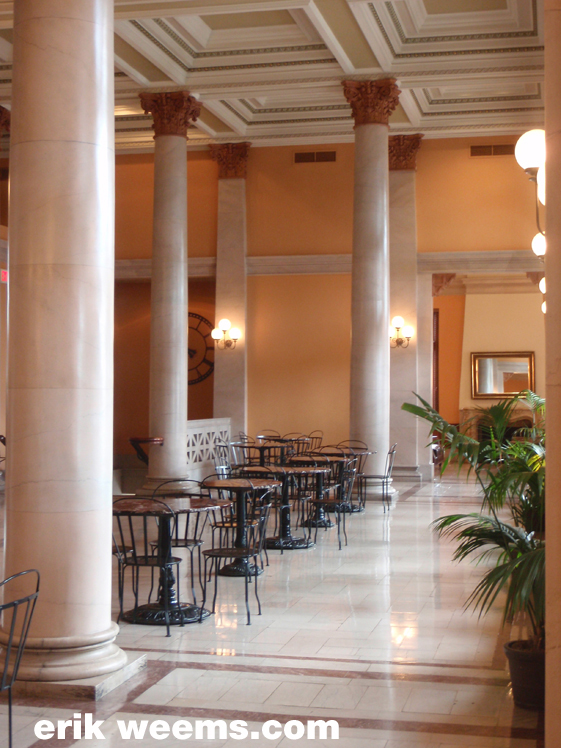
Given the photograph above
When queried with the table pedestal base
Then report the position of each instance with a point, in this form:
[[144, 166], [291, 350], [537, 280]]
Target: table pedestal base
[[240, 568], [152, 614], [349, 509], [319, 522], [288, 544]]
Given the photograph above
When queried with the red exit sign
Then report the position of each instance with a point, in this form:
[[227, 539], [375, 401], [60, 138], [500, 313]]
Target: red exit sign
[[3, 276]]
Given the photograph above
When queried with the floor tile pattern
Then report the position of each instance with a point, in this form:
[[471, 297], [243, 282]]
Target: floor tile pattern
[[374, 636]]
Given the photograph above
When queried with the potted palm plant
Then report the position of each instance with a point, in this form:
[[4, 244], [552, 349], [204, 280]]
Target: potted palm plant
[[509, 529]]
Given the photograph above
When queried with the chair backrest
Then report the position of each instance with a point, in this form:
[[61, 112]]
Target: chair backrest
[[16, 613], [266, 434], [353, 444], [257, 537], [390, 459], [138, 525], [316, 438], [298, 443], [221, 453], [193, 484], [347, 481]]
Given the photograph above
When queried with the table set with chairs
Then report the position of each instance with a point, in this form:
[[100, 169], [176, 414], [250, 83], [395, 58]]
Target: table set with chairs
[[268, 493]]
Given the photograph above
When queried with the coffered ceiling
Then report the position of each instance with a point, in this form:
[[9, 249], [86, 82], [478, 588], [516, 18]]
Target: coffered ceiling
[[270, 71]]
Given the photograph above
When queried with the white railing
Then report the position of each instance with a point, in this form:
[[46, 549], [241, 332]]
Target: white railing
[[202, 436]]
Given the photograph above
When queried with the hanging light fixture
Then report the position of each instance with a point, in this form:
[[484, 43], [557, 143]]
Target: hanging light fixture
[[400, 333]]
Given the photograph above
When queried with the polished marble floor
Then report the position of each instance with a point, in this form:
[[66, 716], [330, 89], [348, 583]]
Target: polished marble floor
[[373, 636]]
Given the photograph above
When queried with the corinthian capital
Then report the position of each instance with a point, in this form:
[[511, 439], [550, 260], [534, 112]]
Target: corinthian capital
[[372, 102], [232, 159], [172, 112], [403, 151]]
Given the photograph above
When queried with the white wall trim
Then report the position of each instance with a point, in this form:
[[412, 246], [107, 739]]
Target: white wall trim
[[502, 261]]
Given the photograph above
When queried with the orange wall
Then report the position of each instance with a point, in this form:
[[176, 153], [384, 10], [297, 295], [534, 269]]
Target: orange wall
[[299, 354], [132, 363], [134, 195], [451, 332], [132, 359], [299, 208], [296, 382], [465, 203]]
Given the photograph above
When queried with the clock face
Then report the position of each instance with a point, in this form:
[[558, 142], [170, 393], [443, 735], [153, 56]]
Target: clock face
[[201, 348]]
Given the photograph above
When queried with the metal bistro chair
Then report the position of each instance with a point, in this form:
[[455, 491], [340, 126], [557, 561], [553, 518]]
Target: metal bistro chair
[[134, 547], [223, 527], [338, 499], [383, 480], [188, 534], [16, 615], [255, 546]]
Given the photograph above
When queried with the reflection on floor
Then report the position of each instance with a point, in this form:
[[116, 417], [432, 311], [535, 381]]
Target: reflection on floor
[[373, 636]]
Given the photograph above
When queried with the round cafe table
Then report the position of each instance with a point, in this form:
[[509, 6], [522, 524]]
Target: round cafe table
[[285, 473], [153, 614], [240, 487]]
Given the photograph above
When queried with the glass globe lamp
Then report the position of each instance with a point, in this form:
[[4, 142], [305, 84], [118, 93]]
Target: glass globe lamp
[[539, 245], [530, 150]]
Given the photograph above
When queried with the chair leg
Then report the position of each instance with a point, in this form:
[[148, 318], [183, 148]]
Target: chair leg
[[10, 717], [192, 577], [338, 512], [216, 570], [256, 595], [246, 578], [179, 608], [203, 590], [165, 596], [345, 526]]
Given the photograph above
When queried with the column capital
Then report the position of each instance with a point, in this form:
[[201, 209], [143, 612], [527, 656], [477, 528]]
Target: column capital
[[231, 159], [372, 102], [5, 117], [403, 151], [172, 111]]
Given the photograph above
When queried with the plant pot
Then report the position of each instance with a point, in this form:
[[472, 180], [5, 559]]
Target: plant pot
[[527, 674]]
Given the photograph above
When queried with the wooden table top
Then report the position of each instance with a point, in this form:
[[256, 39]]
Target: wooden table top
[[285, 469], [240, 484], [178, 505]]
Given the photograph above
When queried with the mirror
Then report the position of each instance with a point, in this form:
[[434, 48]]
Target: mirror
[[501, 375]]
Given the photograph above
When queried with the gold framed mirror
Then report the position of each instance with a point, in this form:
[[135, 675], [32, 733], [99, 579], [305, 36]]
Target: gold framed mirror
[[500, 375]]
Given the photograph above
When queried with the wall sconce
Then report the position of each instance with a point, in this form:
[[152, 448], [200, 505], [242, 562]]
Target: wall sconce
[[530, 155], [541, 286], [225, 335], [397, 339]]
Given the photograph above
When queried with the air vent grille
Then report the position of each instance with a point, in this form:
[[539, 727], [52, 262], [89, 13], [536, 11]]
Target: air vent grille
[[310, 157], [506, 149]]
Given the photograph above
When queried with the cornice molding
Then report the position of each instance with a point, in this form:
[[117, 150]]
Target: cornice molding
[[502, 261], [480, 263]]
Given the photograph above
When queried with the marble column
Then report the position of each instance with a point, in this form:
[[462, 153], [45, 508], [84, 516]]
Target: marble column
[[372, 102], [4, 127], [424, 336], [60, 375], [552, 27], [403, 299], [172, 113], [230, 367]]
